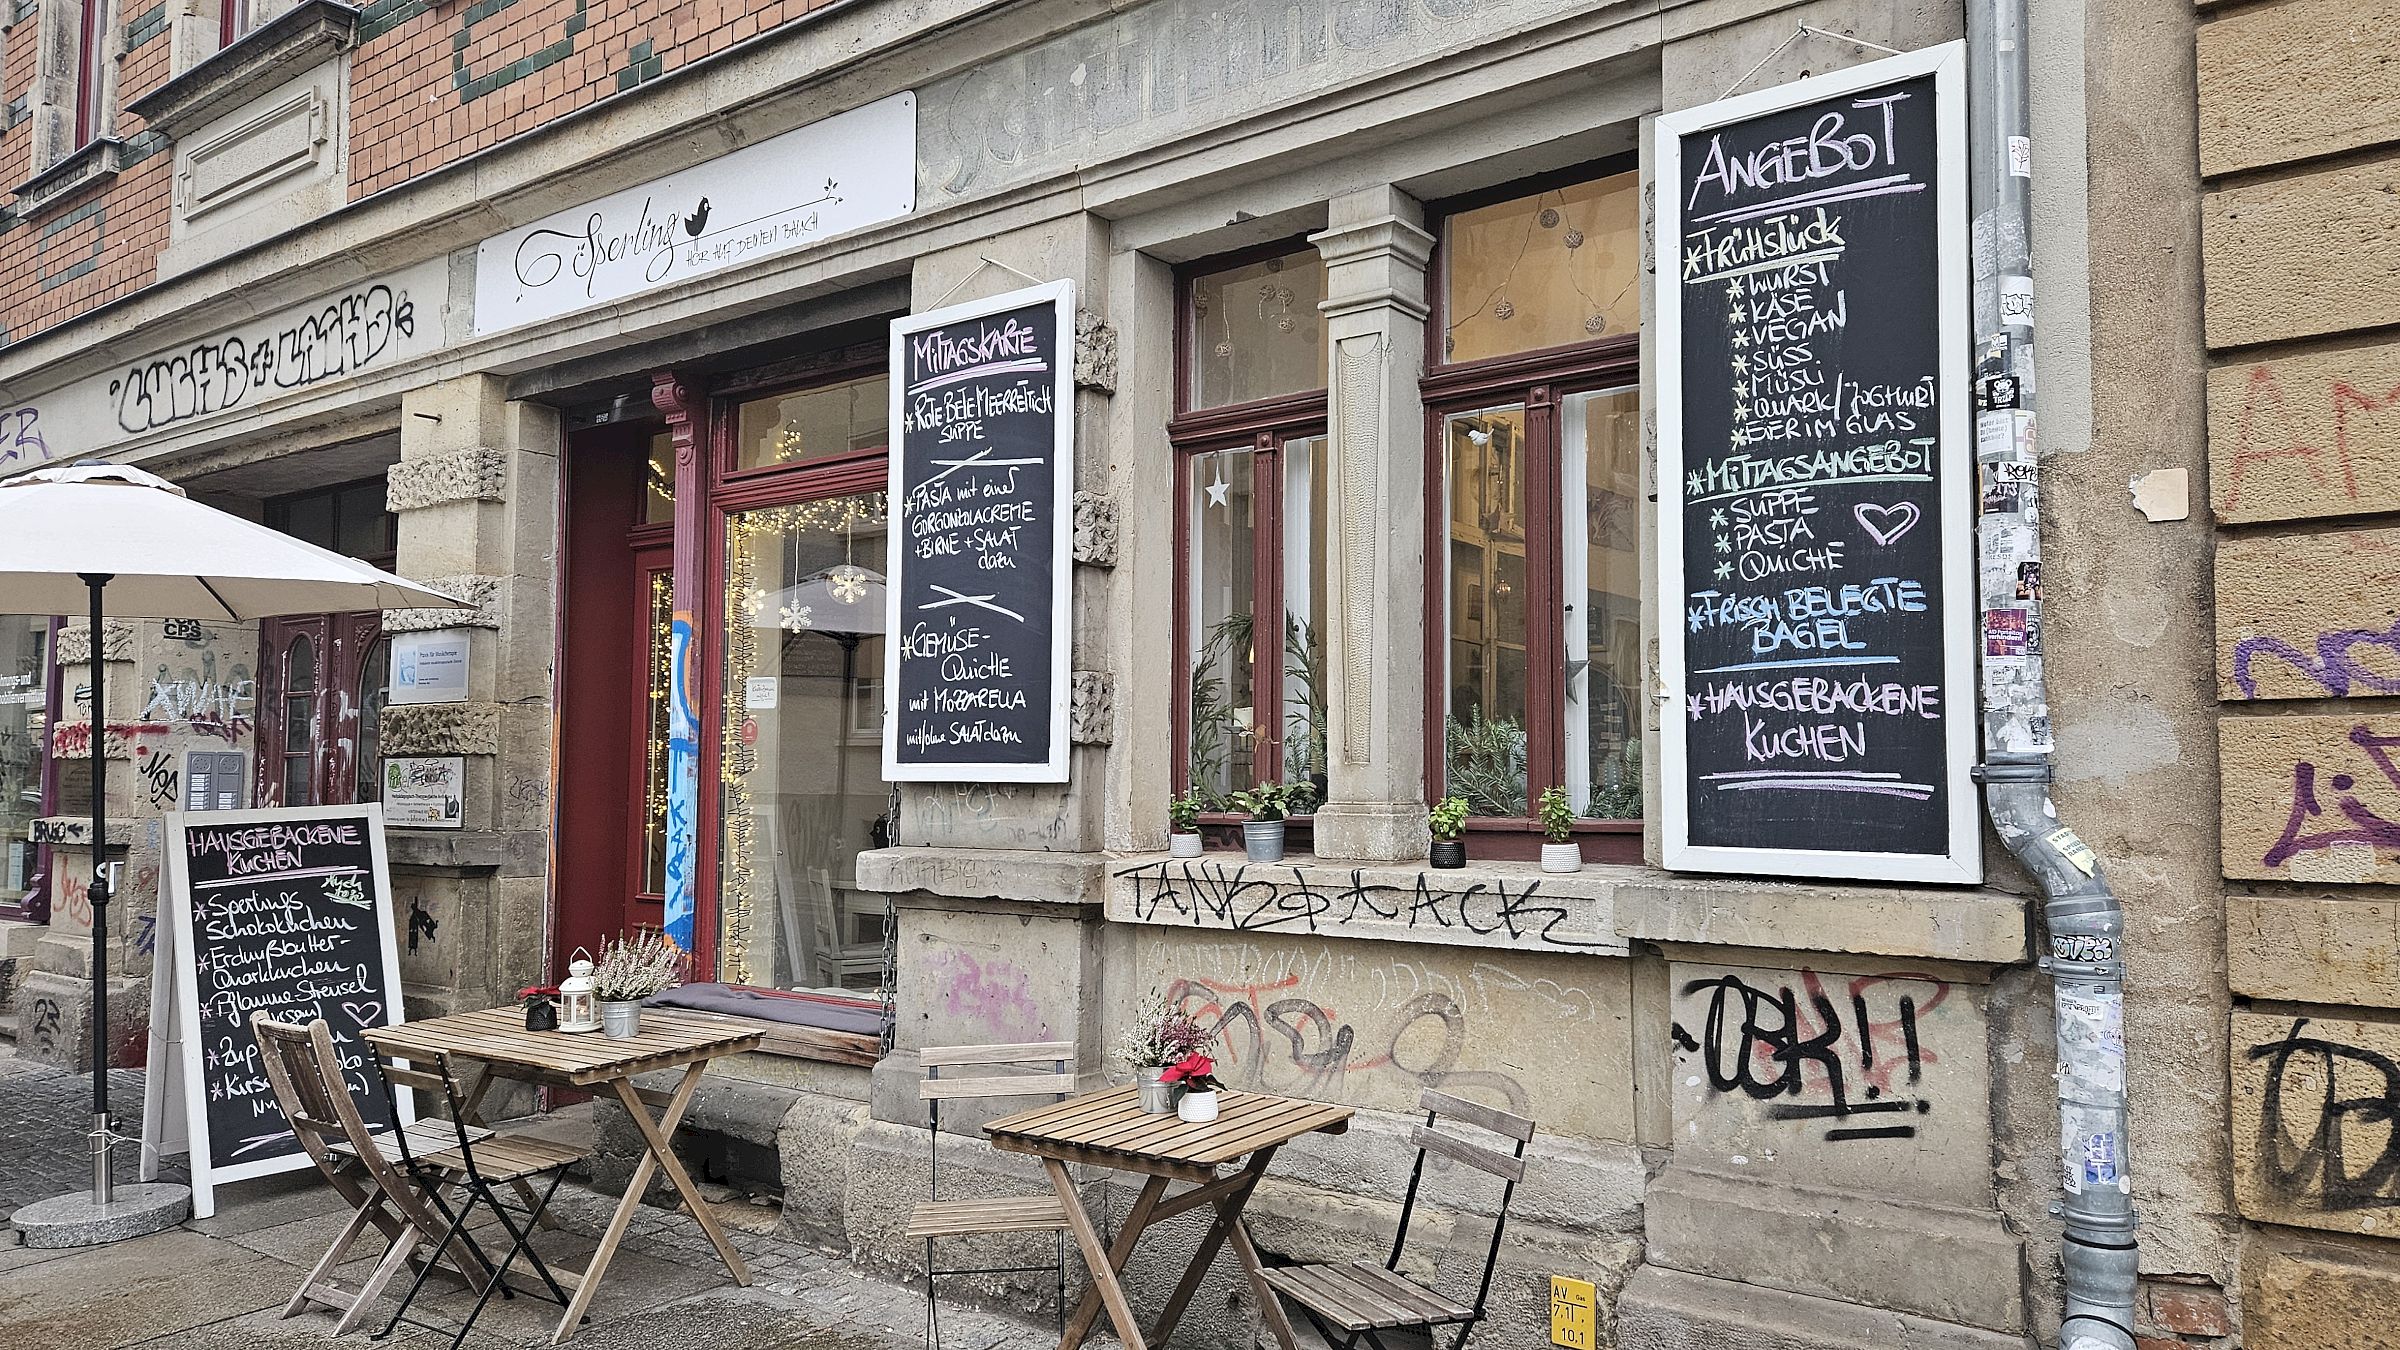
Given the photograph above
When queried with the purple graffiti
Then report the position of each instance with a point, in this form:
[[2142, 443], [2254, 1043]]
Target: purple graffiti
[[2334, 668], [2365, 827]]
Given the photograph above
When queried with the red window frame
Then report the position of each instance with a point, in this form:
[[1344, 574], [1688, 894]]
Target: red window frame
[[233, 21], [730, 490], [1539, 379], [1266, 426], [88, 48]]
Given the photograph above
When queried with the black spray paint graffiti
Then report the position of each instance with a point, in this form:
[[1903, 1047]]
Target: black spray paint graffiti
[[1270, 1036], [2329, 1122], [162, 782], [340, 338], [1814, 1056], [1248, 901]]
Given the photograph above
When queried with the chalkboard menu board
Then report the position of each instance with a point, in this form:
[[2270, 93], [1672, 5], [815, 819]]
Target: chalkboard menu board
[[982, 482], [282, 911], [1815, 466]]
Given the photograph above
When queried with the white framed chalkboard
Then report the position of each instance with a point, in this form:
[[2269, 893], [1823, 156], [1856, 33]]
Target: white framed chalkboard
[[1816, 467], [981, 565], [286, 911]]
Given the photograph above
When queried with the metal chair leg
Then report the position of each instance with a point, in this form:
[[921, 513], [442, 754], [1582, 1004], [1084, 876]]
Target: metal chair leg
[[520, 1241], [457, 1225], [933, 1314]]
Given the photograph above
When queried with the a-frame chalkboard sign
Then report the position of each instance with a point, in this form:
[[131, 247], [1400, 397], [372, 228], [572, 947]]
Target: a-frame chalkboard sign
[[288, 911], [1815, 474]]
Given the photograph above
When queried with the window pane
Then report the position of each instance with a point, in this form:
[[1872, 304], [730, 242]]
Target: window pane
[[813, 423], [300, 665], [654, 734], [364, 529], [1546, 270], [1256, 332], [1485, 732], [374, 691], [1306, 527], [24, 692], [1224, 732], [311, 518], [1600, 436], [658, 480], [803, 792]]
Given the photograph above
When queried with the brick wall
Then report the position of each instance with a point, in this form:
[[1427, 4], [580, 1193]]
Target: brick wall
[[2300, 149], [429, 84]]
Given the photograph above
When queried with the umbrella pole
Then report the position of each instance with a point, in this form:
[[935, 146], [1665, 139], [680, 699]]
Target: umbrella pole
[[103, 1185]]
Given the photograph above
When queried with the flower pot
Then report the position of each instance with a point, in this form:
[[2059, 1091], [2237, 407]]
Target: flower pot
[[1158, 1098], [541, 1016], [1263, 840], [1449, 853], [1185, 845], [620, 1020], [1197, 1107], [1566, 857]]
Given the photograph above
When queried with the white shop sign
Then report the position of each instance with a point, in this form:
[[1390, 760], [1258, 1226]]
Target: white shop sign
[[373, 325], [844, 173], [430, 667]]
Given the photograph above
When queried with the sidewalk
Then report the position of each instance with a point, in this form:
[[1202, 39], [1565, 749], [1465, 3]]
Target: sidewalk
[[221, 1281]]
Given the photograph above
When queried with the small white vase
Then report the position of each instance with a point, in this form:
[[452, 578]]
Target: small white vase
[[1185, 845], [1197, 1108], [1566, 857]]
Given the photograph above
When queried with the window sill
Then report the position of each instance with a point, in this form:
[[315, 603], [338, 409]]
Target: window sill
[[258, 60], [95, 163]]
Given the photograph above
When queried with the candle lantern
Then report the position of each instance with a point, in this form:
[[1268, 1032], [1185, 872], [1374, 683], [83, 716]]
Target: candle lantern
[[577, 1009]]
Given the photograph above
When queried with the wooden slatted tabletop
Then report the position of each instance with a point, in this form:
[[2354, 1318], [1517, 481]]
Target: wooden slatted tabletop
[[497, 1036], [1114, 1122]]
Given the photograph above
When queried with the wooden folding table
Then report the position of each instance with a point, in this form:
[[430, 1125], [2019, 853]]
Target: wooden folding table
[[670, 1038], [1109, 1129]]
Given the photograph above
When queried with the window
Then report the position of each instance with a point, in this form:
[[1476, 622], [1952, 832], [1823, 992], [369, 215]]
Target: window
[[324, 678], [800, 790], [24, 717], [91, 51], [1534, 613], [233, 20], [1251, 524], [348, 519]]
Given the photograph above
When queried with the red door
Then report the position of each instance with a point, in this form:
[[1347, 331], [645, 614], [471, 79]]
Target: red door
[[611, 801]]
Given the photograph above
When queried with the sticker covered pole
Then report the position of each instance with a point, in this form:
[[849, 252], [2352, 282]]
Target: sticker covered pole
[[2084, 921]]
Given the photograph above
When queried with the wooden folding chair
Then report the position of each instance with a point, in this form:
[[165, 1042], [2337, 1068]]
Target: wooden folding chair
[[1362, 1298], [937, 1217], [304, 1070]]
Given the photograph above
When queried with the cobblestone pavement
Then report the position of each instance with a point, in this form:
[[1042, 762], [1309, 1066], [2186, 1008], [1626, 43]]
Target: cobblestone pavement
[[220, 1283]]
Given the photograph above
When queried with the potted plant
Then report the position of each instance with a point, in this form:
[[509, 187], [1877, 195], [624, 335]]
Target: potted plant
[[628, 971], [1267, 806], [1560, 853], [1158, 1038], [1183, 824], [1448, 820], [1197, 1074], [541, 1013]]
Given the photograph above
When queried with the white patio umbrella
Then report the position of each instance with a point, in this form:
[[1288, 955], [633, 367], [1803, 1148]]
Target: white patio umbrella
[[104, 537]]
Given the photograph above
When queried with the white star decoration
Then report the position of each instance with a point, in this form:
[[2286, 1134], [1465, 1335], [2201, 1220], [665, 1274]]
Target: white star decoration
[[1217, 491], [796, 618], [848, 584]]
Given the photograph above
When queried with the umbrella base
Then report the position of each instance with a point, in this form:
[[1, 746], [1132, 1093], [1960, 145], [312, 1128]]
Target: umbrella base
[[75, 1221]]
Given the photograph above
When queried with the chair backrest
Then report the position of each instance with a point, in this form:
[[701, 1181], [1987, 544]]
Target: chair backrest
[[439, 1082], [305, 1072], [1508, 1166], [1057, 1084]]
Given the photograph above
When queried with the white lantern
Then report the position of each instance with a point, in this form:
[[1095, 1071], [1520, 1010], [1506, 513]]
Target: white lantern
[[577, 1011]]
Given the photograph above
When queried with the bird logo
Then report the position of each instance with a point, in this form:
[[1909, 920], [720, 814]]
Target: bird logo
[[697, 221]]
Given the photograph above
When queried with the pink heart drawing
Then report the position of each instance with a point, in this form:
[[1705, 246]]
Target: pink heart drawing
[[363, 1013], [1884, 524]]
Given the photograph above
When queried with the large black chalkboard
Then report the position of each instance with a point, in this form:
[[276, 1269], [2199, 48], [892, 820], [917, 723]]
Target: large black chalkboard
[[982, 480], [1813, 457], [283, 911]]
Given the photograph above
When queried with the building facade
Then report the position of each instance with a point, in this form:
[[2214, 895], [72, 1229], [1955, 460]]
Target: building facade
[[580, 309]]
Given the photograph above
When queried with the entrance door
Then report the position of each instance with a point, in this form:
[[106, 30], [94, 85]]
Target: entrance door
[[612, 687]]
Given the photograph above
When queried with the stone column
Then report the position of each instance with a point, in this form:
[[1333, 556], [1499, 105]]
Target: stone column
[[1375, 248], [476, 492]]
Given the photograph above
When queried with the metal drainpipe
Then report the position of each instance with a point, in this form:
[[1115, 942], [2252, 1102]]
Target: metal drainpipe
[[2086, 926]]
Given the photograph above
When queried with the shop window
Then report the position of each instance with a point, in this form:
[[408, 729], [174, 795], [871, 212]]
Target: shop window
[[24, 725], [1534, 609], [658, 481], [1554, 268], [1251, 523], [825, 422], [324, 678]]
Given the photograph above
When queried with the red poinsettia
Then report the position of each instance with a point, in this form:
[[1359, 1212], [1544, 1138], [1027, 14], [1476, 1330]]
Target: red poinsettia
[[1197, 1073], [534, 993]]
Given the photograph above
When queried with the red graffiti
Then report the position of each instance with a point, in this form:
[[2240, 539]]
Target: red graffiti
[[75, 738], [2267, 432]]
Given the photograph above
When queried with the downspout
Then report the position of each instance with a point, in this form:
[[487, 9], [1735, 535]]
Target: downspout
[[2086, 926]]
